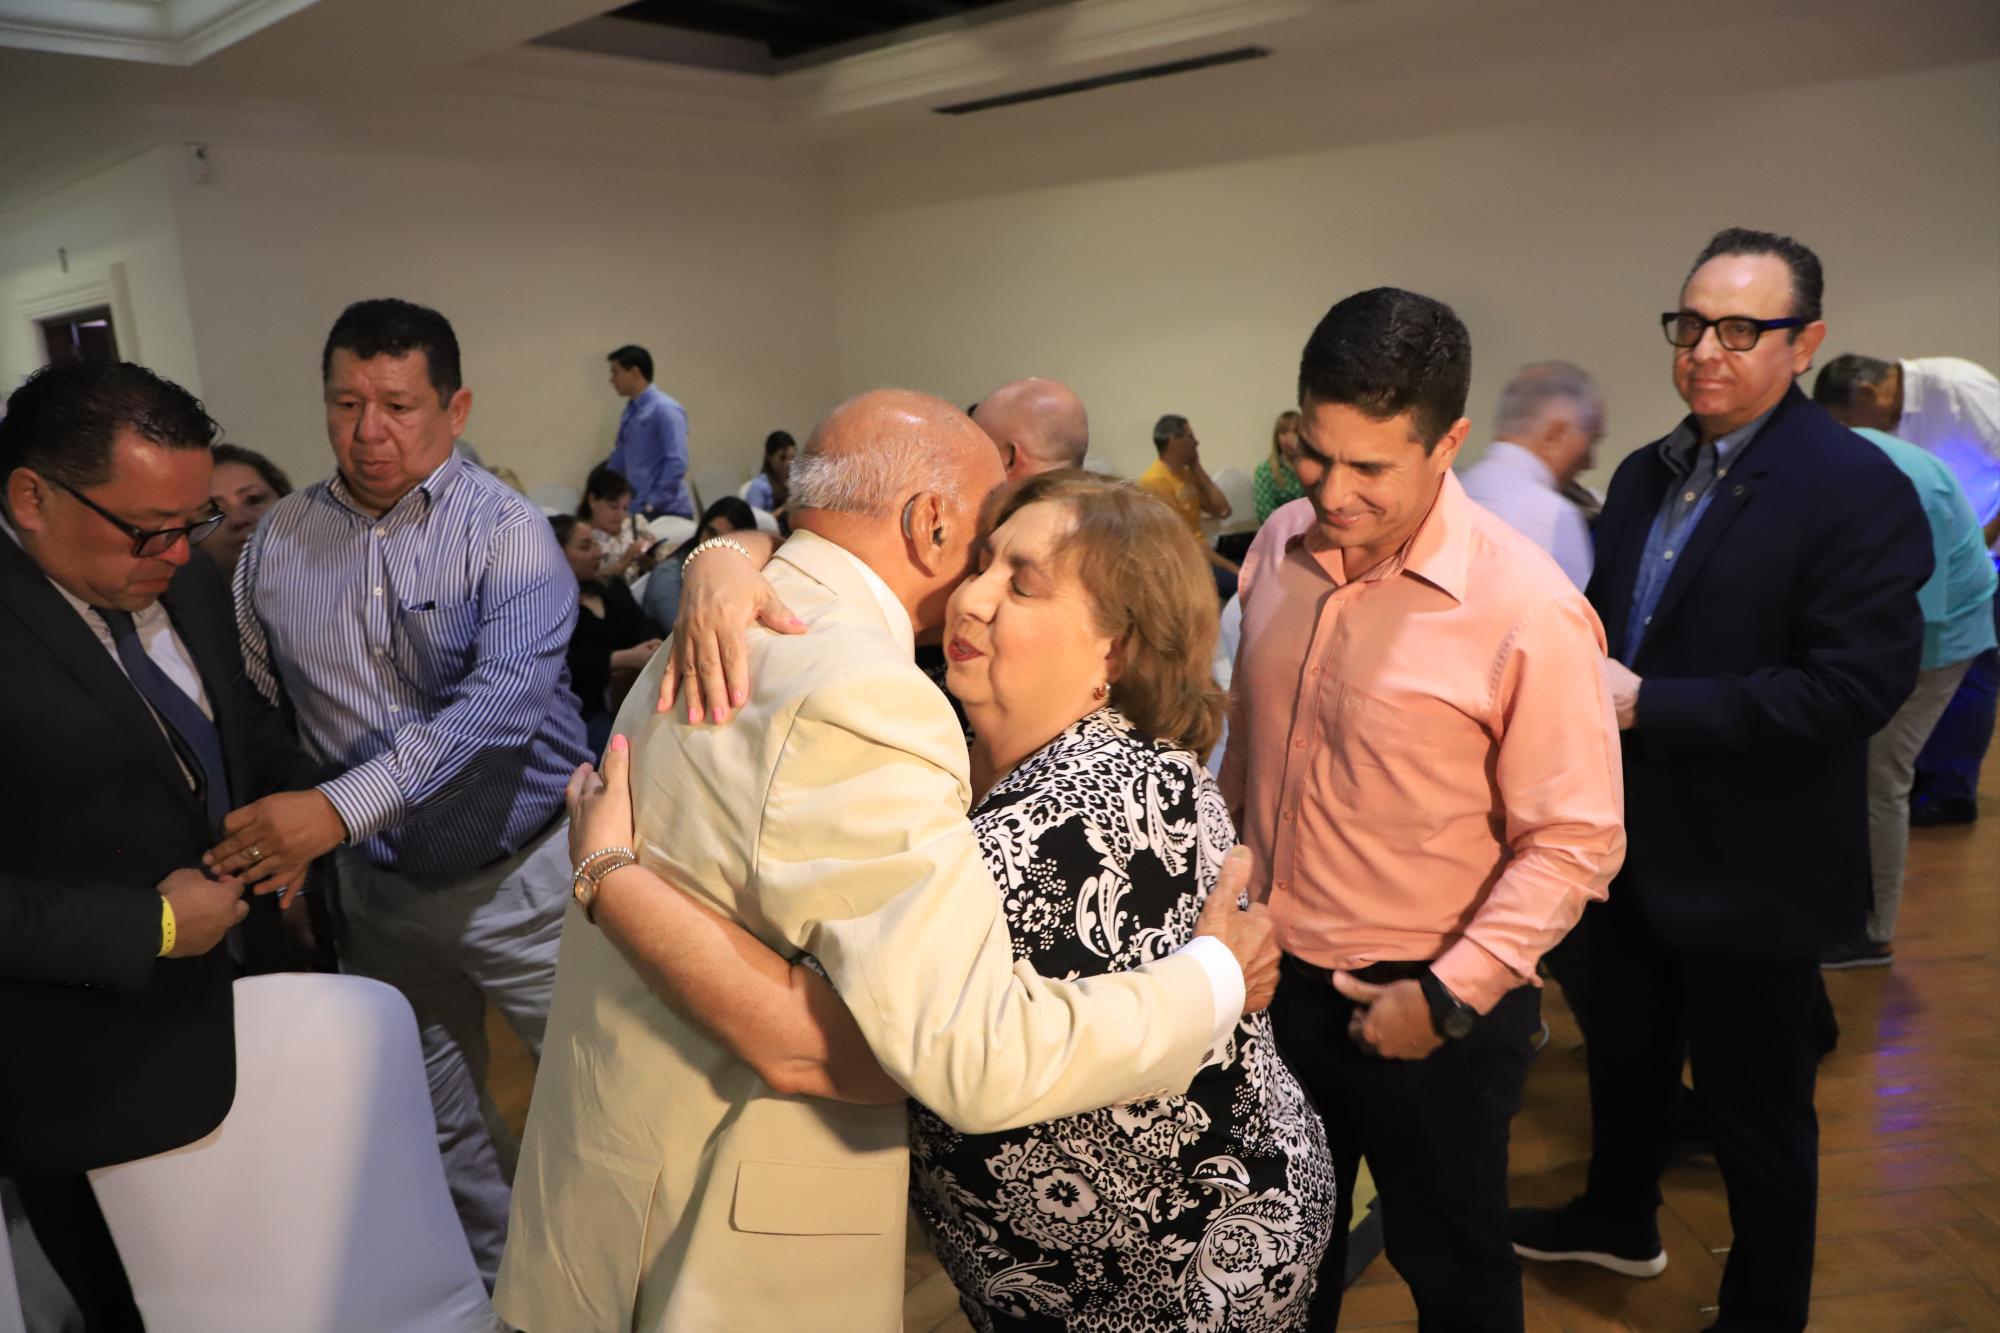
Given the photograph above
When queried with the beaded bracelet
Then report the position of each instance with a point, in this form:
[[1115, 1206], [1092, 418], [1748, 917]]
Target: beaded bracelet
[[714, 542]]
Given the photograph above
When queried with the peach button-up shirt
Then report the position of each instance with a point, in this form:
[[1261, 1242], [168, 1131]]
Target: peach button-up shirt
[[1424, 760]]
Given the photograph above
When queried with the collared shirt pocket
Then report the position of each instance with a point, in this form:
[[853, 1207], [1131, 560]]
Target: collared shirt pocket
[[437, 645]]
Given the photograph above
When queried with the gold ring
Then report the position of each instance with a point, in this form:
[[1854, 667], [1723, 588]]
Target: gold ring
[[255, 854]]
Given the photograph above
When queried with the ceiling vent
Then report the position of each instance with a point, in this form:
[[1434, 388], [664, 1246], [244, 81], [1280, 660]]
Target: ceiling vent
[[1162, 71]]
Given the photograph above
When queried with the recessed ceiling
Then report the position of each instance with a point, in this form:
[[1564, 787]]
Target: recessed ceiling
[[772, 36]]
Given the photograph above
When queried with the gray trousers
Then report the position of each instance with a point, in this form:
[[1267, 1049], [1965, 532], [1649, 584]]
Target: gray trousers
[[1892, 767], [451, 947]]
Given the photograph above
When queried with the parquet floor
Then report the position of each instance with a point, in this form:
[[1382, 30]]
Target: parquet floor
[[1909, 1223]]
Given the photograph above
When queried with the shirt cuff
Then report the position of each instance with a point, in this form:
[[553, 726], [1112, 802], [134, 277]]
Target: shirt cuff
[[1225, 983], [1475, 976], [367, 800]]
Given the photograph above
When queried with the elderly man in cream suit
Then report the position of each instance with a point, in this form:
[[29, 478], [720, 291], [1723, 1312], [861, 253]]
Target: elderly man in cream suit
[[663, 1184]]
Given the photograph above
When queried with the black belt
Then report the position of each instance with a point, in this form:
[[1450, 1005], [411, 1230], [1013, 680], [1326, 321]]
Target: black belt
[[1375, 974]]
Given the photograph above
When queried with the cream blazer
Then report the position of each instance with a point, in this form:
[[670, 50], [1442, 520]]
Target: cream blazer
[[662, 1185]]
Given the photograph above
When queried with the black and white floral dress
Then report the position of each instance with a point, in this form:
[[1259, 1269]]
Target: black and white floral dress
[[1204, 1212]]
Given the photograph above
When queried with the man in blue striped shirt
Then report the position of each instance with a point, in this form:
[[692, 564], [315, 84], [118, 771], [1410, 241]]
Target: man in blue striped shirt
[[416, 612]]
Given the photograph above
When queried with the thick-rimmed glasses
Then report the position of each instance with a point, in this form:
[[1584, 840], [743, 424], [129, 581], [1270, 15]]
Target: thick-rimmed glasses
[[1736, 333], [155, 541]]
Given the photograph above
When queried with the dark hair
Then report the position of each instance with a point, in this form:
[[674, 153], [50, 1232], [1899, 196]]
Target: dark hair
[[604, 483], [63, 421], [565, 526], [1386, 351], [1841, 377], [742, 518], [273, 475], [1149, 589], [776, 440], [1166, 430], [633, 357], [388, 327], [1808, 283]]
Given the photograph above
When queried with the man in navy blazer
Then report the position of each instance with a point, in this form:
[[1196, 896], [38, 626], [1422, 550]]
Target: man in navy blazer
[[1757, 574], [117, 1036]]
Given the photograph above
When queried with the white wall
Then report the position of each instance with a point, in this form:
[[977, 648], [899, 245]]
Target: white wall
[[117, 225], [542, 267], [1560, 235]]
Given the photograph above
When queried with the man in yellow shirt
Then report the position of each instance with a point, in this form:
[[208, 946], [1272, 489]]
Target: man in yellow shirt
[[1178, 477]]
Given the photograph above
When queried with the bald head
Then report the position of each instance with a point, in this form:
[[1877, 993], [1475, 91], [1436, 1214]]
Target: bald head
[[1038, 426], [898, 479]]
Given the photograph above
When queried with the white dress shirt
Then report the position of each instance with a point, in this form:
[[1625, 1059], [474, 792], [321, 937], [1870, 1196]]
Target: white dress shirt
[[1522, 491], [1225, 974], [1952, 408]]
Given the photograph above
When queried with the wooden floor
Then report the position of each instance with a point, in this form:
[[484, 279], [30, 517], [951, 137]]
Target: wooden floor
[[1909, 1221]]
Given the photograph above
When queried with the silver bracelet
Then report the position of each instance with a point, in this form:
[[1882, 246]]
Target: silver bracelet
[[714, 542], [583, 866]]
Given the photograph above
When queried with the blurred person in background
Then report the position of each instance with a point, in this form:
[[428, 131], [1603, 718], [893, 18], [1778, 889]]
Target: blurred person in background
[[243, 485]]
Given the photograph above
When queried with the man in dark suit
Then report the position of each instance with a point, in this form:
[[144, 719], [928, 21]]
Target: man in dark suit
[[131, 730], [1757, 574]]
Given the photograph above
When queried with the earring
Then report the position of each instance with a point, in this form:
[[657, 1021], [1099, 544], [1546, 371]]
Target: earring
[[1102, 691]]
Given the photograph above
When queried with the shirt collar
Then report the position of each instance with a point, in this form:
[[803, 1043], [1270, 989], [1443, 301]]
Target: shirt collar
[[431, 487], [1677, 451], [1519, 458], [894, 613], [1438, 552]]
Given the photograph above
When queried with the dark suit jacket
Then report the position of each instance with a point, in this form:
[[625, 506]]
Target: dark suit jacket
[[1788, 634], [108, 1053]]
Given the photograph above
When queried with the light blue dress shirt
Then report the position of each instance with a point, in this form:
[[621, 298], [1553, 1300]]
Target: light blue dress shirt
[[1697, 467], [424, 652], [652, 453]]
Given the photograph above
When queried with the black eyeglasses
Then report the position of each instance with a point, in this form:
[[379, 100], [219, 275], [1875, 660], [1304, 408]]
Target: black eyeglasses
[[1736, 333], [157, 541]]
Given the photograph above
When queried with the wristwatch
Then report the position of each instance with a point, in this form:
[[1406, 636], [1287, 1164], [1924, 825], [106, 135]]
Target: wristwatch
[[1451, 1017], [592, 870]]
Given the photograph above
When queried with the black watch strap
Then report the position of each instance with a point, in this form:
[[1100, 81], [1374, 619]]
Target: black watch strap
[[1451, 1017]]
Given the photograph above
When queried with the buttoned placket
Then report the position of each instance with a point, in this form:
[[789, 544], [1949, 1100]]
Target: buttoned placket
[[1318, 686]]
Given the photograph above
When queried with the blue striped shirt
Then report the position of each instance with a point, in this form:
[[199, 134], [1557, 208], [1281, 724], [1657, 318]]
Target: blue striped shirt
[[423, 652]]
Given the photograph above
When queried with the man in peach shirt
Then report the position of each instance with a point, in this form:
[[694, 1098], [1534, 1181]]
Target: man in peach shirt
[[1424, 759]]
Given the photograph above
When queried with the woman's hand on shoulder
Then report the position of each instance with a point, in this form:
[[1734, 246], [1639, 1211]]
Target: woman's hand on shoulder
[[600, 804], [722, 596]]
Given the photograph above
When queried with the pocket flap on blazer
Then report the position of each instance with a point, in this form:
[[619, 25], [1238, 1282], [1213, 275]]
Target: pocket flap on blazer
[[817, 1199]]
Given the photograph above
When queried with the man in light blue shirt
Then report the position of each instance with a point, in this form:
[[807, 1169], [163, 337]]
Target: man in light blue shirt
[[652, 447], [1549, 419], [1958, 627]]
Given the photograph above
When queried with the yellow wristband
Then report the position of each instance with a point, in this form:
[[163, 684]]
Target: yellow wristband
[[166, 926]]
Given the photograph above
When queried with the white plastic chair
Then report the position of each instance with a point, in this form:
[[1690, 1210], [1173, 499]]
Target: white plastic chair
[[556, 497], [671, 529], [1100, 464], [743, 491], [766, 520], [1237, 488], [319, 1204], [11, 1318]]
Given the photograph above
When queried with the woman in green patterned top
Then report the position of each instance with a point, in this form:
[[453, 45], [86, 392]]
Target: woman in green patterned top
[[1276, 480]]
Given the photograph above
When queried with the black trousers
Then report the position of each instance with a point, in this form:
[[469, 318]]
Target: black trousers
[[71, 1231], [1754, 1030], [1434, 1132]]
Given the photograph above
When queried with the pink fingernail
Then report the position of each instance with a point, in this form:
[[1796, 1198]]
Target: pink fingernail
[[737, 697], [694, 714], [718, 712], [618, 744]]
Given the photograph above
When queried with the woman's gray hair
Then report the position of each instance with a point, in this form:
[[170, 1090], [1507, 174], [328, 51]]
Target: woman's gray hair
[[875, 478]]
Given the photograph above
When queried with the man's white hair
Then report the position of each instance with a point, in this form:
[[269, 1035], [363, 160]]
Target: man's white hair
[[875, 479], [1536, 388]]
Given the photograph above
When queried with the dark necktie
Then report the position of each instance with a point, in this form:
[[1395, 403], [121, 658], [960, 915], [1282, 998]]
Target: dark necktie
[[194, 737]]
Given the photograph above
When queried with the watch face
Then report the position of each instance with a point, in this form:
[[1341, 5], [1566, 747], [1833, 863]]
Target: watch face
[[582, 889], [1458, 1023]]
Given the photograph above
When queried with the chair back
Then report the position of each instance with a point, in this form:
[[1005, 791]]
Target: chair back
[[556, 497], [319, 1204], [1237, 488]]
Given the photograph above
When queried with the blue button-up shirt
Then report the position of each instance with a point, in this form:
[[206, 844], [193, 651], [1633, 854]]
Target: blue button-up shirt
[[423, 652], [1697, 467], [652, 452]]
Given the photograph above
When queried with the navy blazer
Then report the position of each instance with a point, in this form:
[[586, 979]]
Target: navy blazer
[[1788, 634], [107, 1053]]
